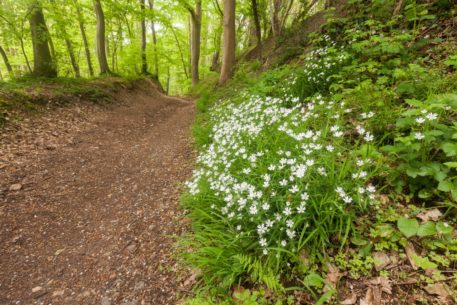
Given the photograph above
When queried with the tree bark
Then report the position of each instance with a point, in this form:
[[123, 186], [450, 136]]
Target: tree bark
[[154, 41], [84, 38], [196, 20], [7, 62], [63, 31], [258, 29], [180, 51], [43, 64], [101, 46], [144, 62], [228, 56]]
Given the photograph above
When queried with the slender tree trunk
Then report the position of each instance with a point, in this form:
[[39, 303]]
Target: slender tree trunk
[[154, 41], [258, 29], [101, 44], [7, 62], [25, 55], [42, 60], [84, 37], [71, 53], [275, 7], [180, 52], [217, 40], [196, 20], [63, 31], [144, 62], [228, 56], [168, 80]]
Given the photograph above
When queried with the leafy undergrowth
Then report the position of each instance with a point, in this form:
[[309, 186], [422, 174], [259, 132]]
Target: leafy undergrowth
[[25, 96], [336, 180]]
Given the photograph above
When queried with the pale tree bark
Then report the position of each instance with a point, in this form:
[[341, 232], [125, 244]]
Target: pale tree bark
[[101, 43], [154, 41], [6, 61], [229, 40], [275, 7], [144, 62], [43, 64], [196, 25], [82, 29]]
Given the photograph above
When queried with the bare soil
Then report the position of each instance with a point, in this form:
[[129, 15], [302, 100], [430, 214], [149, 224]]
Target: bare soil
[[89, 202]]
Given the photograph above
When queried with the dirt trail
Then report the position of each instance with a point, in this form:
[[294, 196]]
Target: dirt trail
[[94, 220]]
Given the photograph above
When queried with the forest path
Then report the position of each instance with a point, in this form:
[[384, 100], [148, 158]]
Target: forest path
[[94, 218]]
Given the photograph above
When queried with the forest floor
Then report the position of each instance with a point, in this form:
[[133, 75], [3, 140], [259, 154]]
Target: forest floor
[[89, 202]]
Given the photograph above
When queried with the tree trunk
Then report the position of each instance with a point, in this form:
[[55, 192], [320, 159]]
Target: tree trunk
[[21, 41], [180, 51], [228, 56], [168, 80], [63, 31], [71, 53], [154, 41], [101, 47], [84, 38], [144, 62], [196, 20], [42, 60], [258, 29], [7, 62]]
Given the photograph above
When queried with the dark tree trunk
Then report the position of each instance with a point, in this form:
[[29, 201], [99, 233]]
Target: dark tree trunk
[[228, 56], [43, 64], [7, 62], [84, 38], [168, 80], [101, 44], [258, 29]]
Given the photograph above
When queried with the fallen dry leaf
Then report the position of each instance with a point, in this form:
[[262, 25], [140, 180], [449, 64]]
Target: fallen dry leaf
[[381, 260], [333, 275], [350, 300], [383, 283], [410, 253], [433, 214], [368, 299], [439, 289]]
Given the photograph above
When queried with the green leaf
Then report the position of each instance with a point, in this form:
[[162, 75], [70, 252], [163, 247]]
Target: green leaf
[[426, 229], [359, 241], [408, 226], [444, 228], [424, 194], [423, 262], [451, 164], [450, 149], [445, 186], [314, 280]]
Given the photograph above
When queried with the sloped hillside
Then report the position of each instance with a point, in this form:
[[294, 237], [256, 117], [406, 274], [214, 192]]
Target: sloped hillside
[[333, 179]]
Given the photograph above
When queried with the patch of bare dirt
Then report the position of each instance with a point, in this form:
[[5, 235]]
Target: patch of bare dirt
[[89, 202]]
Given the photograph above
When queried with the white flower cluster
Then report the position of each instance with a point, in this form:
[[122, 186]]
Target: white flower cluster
[[421, 119], [321, 62], [275, 164]]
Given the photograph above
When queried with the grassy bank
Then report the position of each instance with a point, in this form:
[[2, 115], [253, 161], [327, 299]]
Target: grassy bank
[[334, 173]]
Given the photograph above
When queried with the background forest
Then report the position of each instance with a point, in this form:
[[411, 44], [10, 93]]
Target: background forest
[[158, 31]]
